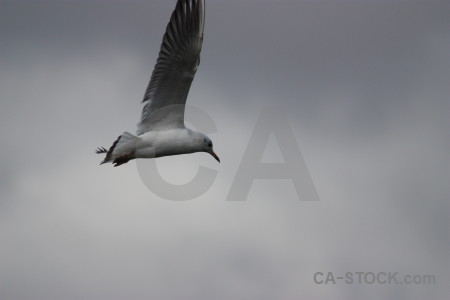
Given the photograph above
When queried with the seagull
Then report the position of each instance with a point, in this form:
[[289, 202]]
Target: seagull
[[161, 130]]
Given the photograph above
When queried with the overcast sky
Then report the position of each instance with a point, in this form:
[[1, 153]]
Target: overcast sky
[[364, 84]]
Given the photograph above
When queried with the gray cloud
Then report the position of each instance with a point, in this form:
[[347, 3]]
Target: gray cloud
[[365, 84]]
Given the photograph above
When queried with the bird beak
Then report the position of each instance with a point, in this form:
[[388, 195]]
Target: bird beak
[[215, 156]]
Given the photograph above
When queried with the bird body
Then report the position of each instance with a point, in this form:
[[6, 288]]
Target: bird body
[[161, 130], [170, 142]]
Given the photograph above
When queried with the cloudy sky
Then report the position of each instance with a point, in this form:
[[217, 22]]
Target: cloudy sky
[[365, 88]]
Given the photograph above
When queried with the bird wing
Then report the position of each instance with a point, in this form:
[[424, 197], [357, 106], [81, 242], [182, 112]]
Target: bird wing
[[179, 57]]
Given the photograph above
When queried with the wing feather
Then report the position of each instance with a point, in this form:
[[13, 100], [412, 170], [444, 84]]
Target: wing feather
[[177, 63]]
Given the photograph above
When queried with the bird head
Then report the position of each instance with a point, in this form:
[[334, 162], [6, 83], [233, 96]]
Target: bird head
[[208, 147]]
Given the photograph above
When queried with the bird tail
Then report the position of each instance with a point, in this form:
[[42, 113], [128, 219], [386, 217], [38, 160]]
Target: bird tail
[[121, 151]]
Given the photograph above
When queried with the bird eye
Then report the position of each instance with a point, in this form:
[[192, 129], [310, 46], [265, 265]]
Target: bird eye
[[210, 144]]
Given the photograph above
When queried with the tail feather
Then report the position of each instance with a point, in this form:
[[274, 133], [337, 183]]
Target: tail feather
[[101, 150], [110, 151], [121, 151]]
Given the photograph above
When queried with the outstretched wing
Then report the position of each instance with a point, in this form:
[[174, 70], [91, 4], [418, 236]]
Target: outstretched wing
[[179, 57]]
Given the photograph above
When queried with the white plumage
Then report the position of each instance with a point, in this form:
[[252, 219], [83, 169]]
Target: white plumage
[[161, 130]]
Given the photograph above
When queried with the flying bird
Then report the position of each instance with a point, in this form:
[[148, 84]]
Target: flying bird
[[161, 130]]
